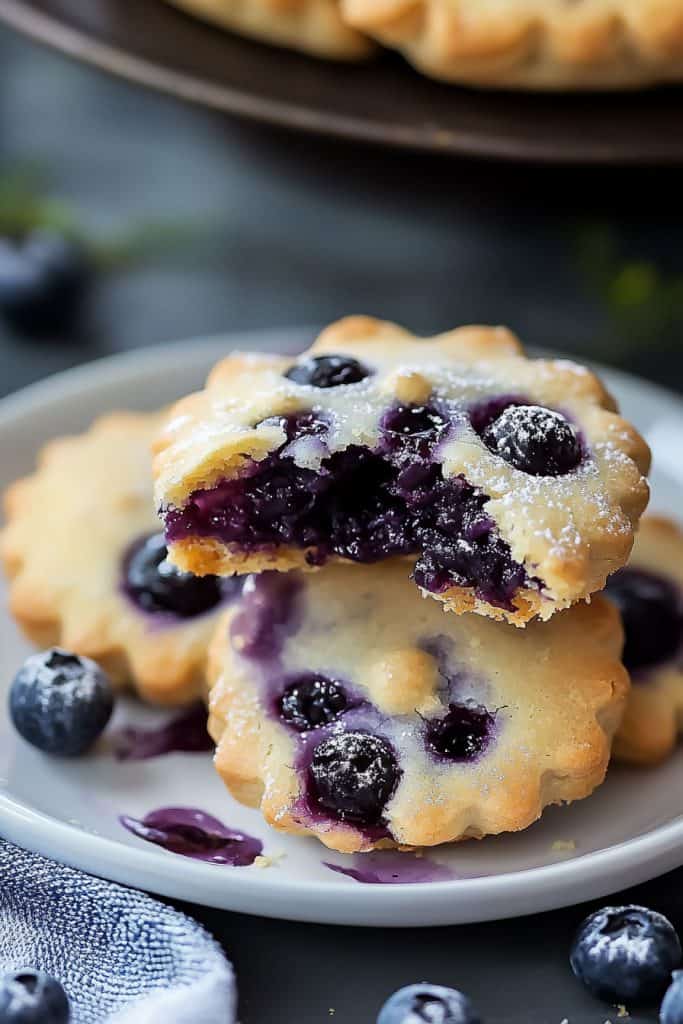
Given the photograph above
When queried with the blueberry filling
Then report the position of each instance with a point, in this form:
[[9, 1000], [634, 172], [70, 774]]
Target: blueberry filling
[[193, 833], [328, 371], [311, 701], [650, 608], [157, 586], [462, 734], [353, 775], [535, 440], [364, 506]]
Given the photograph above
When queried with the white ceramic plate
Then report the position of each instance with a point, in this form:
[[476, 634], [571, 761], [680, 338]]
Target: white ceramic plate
[[629, 831]]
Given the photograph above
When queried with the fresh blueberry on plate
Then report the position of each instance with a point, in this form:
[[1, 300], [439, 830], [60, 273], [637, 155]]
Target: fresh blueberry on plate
[[43, 280], [671, 1011], [626, 954], [328, 371], [60, 702], [535, 440], [428, 1004], [31, 997]]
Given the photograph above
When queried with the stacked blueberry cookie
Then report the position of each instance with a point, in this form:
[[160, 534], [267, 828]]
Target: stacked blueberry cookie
[[419, 653], [381, 561]]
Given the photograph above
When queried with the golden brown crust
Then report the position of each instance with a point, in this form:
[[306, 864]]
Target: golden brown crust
[[531, 44], [557, 689], [314, 26], [570, 531], [68, 527], [653, 718]]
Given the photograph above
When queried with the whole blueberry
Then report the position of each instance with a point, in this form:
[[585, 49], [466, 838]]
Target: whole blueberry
[[328, 371], [671, 1011], [310, 701], [428, 1004], [157, 586], [31, 997], [353, 775], [537, 441], [461, 734], [626, 954], [43, 281], [60, 702], [650, 612]]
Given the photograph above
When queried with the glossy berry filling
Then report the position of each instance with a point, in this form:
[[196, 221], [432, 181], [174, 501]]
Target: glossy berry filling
[[328, 371], [193, 833], [364, 506], [155, 585], [535, 440], [352, 776], [311, 701], [462, 734], [650, 608]]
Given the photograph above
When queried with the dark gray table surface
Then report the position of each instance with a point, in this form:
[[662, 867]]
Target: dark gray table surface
[[292, 230]]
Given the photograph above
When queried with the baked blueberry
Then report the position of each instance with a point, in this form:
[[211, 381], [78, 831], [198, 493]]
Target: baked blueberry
[[43, 281], [353, 775], [60, 702], [157, 586], [28, 996], [328, 371], [461, 734], [650, 612], [311, 700], [414, 421], [537, 441], [626, 954], [431, 1004], [671, 1011]]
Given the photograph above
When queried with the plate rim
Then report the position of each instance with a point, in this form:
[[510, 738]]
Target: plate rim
[[49, 30], [591, 874]]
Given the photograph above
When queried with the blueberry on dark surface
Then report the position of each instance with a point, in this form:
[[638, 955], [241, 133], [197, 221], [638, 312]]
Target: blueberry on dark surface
[[626, 954], [428, 1004], [328, 371], [43, 280], [157, 586], [650, 612], [671, 1011], [310, 701], [28, 996], [60, 702], [537, 441], [461, 734], [353, 775]]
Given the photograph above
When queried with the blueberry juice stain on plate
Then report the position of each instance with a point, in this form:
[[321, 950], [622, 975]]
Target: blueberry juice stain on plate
[[389, 867], [191, 832], [185, 733]]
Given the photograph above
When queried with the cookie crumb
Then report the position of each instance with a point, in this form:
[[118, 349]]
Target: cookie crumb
[[263, 861], [563, 845]]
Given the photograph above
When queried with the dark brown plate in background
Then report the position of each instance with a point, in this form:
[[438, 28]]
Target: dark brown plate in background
[[382, 101]]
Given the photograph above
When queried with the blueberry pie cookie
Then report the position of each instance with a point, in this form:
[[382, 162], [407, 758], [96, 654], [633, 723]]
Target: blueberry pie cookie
[[344, 705], [314, 26], [531, 44], [510, 484], [649, 595], [88, 565]]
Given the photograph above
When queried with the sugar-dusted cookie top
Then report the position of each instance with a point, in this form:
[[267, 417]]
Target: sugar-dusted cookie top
[[510, 484], [531, 44], [345, 705], [88, 565], [649, 594], [314, 26]]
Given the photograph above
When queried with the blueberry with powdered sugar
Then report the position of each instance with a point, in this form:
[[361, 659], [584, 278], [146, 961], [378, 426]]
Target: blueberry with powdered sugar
[[353, 776], [28, 996], [60, 702], [328, 372], [626, 954], [428, 1004], [535, 440], [311, 700]]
